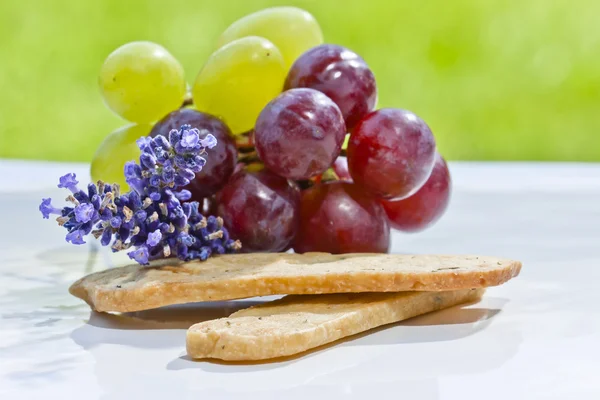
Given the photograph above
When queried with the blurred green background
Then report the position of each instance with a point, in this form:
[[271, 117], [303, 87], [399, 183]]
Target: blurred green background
[[495, 79]]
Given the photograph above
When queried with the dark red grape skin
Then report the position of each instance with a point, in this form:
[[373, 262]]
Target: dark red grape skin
[[260, 209], [391, 153], [208, 206], [220, 161], [426, 206], [299, 134], [339, 217], [339, 73]]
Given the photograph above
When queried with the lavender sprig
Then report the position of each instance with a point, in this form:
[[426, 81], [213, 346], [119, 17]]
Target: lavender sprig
[[168, 163], [153, 218]]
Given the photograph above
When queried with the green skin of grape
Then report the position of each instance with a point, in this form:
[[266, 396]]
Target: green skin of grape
[[117, 148]]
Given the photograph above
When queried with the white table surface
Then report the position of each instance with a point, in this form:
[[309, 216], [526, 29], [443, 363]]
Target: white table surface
[[537, 337]]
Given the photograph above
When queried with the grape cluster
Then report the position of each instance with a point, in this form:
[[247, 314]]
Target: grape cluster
[[304, 159]]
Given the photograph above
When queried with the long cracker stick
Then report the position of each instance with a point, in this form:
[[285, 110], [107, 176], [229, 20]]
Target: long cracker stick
[[135, 288], [296, 323]]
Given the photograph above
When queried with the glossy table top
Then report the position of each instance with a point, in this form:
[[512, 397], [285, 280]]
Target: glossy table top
[[537, 337]]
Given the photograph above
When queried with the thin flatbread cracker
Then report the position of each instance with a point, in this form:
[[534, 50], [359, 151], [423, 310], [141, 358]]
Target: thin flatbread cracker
[[135, 287], [296, 324]]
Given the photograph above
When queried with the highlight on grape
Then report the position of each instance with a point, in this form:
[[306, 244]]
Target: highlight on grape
[[299, 157]]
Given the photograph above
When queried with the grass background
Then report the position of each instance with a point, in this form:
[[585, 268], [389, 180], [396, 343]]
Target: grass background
[[495, 79]]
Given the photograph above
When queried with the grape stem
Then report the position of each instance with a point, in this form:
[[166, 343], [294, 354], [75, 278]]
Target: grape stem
[[248, 158], [327, 176], [244, 143], [187, 101], [305, 184]]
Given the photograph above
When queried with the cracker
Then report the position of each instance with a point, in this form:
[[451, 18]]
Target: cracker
[[297, 323], [135, 287]]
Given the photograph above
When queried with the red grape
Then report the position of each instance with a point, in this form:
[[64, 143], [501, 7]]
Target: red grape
[[220, 161], [208, 206], [339, 217], [340, 167], [339, 73], [426, 206], [391, 153], [260, 209], [299, 134]]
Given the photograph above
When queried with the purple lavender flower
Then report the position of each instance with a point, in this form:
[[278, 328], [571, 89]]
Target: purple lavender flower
[[209, 141], [76, 236], [204, 253], [84, 212], [175, 135], [154, 238], [187, 173], [132, 170], [68, 181], [115, 222], [154, 194], [148, 160], [183, 195], [181, 180], [47, 208], [143, 142], [190, 139], [168, 174], [106, 237], [161, 142], [140, 255], [185, 239], [196, 162], [151, 218], [161, 154], [168, 163]]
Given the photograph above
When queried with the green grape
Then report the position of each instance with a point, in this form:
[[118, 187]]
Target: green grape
[[116, 149], [142, 81], [238, 80], [291, 29]]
